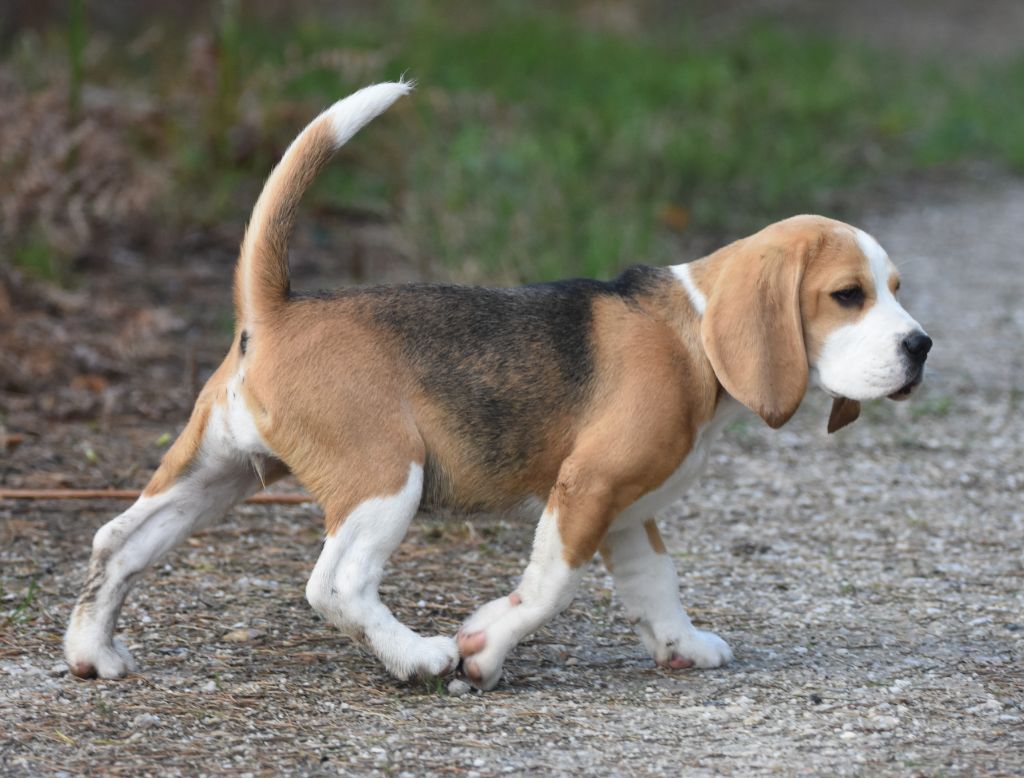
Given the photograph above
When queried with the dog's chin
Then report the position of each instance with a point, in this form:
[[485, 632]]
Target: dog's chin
[[908, 388]]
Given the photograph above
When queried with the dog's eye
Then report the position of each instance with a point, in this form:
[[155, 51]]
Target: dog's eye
[[851, 297]]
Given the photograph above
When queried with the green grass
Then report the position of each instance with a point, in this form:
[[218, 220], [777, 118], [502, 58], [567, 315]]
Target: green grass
[[434, 686], [24, 609], [535, 148], [935, 405], [37, 259], [556, 151]]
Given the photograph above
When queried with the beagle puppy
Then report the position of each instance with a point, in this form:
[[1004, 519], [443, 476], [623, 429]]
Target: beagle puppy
[[597, 399]]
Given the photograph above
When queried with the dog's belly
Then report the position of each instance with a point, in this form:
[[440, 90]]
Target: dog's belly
[[684, 475]]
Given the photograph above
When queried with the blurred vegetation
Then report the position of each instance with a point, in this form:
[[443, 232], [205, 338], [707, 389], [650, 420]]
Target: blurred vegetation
[[536, 145]]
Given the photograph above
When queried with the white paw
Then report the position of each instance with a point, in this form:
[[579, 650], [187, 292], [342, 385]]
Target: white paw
[[483, 643], [484, 668], [694, 648], [488, 614], [437, 656], [407, 655], [111, 660]]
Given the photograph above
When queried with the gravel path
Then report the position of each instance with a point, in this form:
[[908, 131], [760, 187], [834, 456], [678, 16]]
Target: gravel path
[[870, 584]]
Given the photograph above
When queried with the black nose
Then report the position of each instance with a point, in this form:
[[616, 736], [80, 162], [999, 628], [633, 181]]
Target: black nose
[[917, 345]]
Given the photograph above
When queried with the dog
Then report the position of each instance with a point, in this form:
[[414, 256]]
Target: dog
[[597, 399]]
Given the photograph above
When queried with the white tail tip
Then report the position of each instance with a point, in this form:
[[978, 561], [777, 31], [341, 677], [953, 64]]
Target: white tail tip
[[351, 114]]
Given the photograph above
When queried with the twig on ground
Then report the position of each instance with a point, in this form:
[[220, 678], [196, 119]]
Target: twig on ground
[[130, 494]]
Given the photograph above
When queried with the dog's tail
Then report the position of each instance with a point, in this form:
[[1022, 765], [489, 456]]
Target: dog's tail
[[261, 277]]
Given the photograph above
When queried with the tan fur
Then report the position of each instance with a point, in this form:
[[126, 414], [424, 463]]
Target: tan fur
[[333, 397], [654, 537], [261, 278], [183, 451], [844, 411], [752, 328], [639, 428], [838, 264], [345, 440], [338, 402], [769, 310]]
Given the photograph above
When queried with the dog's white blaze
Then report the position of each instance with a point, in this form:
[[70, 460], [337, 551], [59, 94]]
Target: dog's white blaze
[[345, 581], [547, 587], [647, 584], [697, 298], [864, 360]]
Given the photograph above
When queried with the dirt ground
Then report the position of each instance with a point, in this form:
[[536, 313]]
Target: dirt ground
[[870, 583]]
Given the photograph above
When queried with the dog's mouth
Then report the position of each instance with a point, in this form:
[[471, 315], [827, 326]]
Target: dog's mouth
[[908, 388]]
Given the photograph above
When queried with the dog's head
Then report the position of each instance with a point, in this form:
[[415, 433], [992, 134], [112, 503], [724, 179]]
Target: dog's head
[[809, 299]]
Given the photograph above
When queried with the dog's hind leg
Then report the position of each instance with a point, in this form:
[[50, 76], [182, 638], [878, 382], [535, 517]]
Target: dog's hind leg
[[344, 585], [204, 474]]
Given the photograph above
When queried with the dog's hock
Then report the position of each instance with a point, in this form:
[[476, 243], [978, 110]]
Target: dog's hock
[[216, 477]]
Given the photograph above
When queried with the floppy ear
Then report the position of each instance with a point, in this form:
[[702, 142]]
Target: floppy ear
[[752, 330], [844, 411]]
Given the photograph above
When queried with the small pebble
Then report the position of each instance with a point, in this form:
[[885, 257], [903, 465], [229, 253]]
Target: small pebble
[[458, 687], [884, 722], [989, 706], [145, 721], [241, 635]]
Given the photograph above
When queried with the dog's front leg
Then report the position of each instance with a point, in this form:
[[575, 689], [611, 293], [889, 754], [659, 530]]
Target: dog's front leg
[[646, 582], [548, 586], [567, 536]]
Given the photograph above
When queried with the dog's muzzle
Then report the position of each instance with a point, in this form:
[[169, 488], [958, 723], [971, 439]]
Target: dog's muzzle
[[915, 349]]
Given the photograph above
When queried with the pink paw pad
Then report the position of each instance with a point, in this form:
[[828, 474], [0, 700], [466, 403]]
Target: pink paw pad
[[472, 643], [472, 671], [83, 670], [676, 662]]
